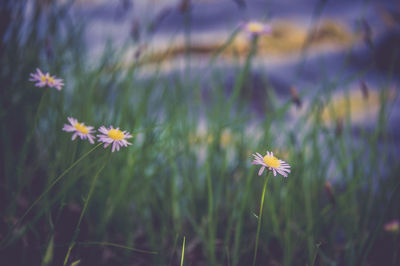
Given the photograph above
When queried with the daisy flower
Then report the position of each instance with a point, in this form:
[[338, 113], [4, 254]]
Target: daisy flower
[[272, 163], [54, 82], [79, 129], [39, 78], [114, 136], [43, 80], [256, 28]]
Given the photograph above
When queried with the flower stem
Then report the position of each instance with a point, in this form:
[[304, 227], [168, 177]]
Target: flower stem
[[71, 245], [183, 250], [48, 189], [259, 218]]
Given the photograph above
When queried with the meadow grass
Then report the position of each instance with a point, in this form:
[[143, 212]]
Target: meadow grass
[[188, 173]]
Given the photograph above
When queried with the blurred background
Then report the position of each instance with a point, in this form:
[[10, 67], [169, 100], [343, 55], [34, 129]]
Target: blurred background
[[200, 96]]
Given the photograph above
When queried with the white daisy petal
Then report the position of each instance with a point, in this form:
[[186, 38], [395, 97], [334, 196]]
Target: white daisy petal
[[113, 136], [270, 162], [261, 170], [79, 130]]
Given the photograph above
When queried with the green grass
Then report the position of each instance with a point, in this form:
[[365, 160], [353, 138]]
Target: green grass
[[178, 180]]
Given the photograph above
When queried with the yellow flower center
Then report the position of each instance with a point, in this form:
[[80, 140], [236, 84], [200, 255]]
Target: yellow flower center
[[81, 128], [43, 78], [116, 134], [254, 27], [50, 80], [271, 161]]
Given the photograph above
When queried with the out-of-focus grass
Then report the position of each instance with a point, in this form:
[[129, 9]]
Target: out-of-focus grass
[[188, 171]]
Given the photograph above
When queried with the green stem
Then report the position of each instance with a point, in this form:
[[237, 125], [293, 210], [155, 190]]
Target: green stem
[[48, 189], [259, 218], [183, 250], [71, 245], [210, 217], [117, 246]]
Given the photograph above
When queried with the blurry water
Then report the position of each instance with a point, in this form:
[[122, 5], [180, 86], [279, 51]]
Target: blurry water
[[158, 21], [115, 18]]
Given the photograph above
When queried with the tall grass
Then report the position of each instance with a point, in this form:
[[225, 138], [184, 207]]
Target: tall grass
[[188, 171]]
